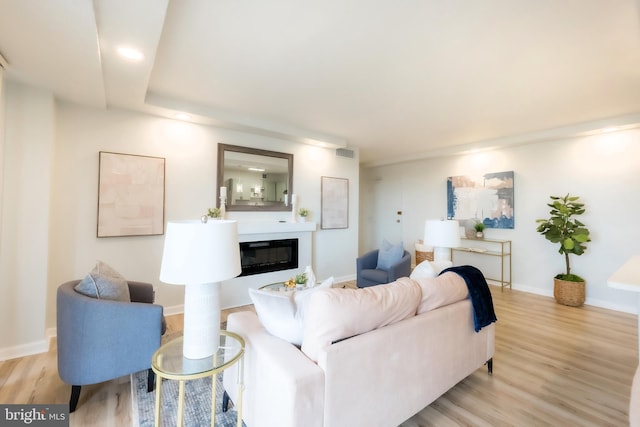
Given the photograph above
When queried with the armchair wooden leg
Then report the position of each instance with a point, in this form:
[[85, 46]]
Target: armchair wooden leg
[[75, 396], [151, 380], [490, 366]]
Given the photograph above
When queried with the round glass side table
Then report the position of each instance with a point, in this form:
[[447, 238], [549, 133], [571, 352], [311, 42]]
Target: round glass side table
[[280, 286], [169, 363]]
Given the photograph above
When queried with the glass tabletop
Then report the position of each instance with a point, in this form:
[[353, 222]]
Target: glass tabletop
[[169, 362], [281, 286]]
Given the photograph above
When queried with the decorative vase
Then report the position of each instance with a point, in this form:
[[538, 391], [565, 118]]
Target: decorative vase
[[569, 293], [479, 235], [303, 219]]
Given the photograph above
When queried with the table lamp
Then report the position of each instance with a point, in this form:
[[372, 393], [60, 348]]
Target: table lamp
[[200, 254], [442, 235]]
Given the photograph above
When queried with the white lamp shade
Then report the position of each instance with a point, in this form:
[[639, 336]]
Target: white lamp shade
[[197, 252], [442, 233]]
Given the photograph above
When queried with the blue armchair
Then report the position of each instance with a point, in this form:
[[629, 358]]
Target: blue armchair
[[368, 275], [100, 339]]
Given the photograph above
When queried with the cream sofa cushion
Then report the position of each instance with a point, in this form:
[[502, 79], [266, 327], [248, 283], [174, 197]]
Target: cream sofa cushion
[[335, 314], [439, 291], [282, 313]]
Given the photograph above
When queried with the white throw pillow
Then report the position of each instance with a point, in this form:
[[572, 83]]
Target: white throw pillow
[[443, 290], [282, 313], [429, 269], [335, 314], [104, 282]]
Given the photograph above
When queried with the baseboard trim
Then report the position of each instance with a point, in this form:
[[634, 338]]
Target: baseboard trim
[[174, 309], [23, 350], [345, 278], [595, 302]]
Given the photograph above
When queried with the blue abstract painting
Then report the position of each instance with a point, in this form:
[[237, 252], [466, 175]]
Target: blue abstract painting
[[486, 198]]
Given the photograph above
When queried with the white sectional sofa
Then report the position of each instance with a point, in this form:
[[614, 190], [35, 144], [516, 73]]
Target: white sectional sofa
[[397, 363], [634, 405]]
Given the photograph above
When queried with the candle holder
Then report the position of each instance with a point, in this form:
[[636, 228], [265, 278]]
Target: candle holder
[[223, 207], [294, 208], [223, 202]]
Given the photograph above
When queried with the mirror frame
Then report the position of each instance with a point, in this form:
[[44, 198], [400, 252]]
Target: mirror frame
[[222, 148]]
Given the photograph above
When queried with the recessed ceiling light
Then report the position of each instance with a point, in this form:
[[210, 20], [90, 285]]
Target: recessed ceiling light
[[183, 116], [130, 53]]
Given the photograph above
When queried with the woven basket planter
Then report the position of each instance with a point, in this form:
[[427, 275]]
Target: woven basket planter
[[423, 256], [569, 293], [423, 253]]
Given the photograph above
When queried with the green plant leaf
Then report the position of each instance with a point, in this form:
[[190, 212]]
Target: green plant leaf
[[568, 244], [582, 238]]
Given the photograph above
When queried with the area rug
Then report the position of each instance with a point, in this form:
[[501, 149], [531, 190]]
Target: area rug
[[197, 403]]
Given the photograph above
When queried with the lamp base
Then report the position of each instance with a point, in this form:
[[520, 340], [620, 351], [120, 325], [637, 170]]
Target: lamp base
[[201, 320], [441, 254]]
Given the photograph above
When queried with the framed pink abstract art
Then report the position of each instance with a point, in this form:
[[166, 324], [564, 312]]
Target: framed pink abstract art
[[130, 195], [334, 202]]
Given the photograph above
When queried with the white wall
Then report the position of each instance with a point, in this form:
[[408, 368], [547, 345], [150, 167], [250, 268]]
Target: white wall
[[603, 170], [28, 150], [2, 115], [66, 162]]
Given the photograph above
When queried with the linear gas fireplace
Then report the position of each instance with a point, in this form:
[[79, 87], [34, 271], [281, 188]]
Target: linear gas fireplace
[[268, 255]]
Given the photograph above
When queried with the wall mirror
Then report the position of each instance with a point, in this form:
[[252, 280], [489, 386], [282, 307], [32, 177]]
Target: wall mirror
[[256, 180]]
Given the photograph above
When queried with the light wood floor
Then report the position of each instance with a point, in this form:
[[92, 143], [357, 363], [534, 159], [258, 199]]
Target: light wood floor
[[554, 366]]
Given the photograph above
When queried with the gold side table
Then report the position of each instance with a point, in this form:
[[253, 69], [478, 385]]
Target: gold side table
[[169, 363]]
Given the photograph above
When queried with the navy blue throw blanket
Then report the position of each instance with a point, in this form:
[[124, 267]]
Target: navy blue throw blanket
[[483, 313]]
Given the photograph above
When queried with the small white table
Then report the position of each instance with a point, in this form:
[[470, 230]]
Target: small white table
[[627, 278]]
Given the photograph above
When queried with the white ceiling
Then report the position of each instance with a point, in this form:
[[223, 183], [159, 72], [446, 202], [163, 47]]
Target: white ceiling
[[396, 79]]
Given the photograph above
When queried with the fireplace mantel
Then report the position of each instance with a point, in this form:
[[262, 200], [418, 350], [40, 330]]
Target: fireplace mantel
[[264, 227], [234, 292]]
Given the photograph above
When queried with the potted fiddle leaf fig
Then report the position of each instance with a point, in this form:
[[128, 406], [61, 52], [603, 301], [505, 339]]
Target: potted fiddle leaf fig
[[564, 229]]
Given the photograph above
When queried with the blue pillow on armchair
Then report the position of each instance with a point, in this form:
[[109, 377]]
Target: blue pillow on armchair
[[389, 255]]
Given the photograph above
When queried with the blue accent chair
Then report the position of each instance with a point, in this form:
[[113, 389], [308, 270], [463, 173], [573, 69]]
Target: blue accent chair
[[100, 339], [368, 275]]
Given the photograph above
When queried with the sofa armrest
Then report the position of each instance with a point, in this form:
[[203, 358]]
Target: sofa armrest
[[141, 292], [282, 385], [401, 269]]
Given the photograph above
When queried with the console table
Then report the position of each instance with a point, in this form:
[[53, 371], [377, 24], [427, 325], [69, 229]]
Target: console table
[[494, 248]]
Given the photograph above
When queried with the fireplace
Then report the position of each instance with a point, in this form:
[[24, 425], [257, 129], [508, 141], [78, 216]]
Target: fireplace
[[235, 292], [268, 255]]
